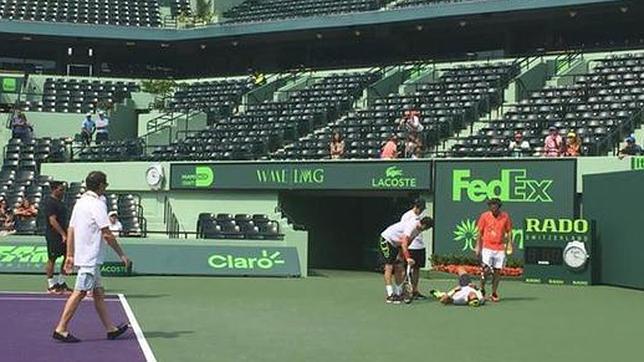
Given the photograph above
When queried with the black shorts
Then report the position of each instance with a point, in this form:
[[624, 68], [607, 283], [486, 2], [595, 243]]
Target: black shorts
[[419, 257], [388, 252], [56, 248]]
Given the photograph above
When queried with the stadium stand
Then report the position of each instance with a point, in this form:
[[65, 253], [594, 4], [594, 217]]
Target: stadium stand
[[239, 226], [79, 96], [219, 96], [180, 7], [142, 13], [110, 151], [457, 98], [264, 127], [600, 107], [266, 10]]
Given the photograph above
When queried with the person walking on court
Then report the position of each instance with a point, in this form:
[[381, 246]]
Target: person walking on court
[[56, 237], [493, 243], [417, 246], [88, 226], [394, 241]]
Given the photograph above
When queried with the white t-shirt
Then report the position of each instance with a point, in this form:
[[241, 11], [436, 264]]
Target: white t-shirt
[[116, 227], [88, 218], [394, 233], [460, 297], [418, 243], [102, 124]]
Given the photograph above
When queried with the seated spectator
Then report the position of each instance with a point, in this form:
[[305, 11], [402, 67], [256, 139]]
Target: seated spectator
[[553, 144], [390, 148], [631, 148], [25, 210], [411, 122], [6, 219], [20, 127], [87, 129], [102, 128], [573, 145], [336, 146], [413, 146], [115, 224], [259, 79], [519, 147]]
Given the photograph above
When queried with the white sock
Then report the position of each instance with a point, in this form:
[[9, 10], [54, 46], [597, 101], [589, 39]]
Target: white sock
[[60, 278], [389, 289], [51, 282], [398, 289]]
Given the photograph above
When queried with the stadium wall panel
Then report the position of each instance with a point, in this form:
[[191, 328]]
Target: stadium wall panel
[[614, 201]]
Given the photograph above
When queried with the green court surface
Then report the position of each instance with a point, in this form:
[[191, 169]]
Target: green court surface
[[341, 316]]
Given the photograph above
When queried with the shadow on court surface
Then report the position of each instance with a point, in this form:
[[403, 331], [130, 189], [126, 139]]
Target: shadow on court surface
[[141, 296], [166, 334]]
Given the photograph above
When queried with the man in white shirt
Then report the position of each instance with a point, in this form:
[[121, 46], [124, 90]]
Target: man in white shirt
[[519, 147], [102, 128], [466, 293], [417, 246], [115, 225], [394, 240], [88, 227]]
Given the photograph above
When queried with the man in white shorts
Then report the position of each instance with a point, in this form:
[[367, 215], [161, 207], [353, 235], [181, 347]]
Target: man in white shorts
[[88, 226], [395, 240], [417, 246], [493, 243]]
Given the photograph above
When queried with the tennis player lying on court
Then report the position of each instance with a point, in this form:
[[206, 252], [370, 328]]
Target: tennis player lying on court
[[465, 293]]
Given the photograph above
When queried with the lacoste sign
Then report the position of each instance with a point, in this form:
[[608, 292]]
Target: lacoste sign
[[394, 178]]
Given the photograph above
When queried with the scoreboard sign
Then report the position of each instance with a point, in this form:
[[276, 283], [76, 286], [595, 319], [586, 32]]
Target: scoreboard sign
[[558, 251]]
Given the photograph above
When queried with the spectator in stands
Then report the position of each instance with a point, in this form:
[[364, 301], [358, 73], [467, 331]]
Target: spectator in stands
[[553, 144], [88, 127], [413, 146], [259, 79], [102, 128], [573, 145], [336, 146], [411, 122], [115, 225], [6, 219], [20, 127], [390, 148], [25, 210], [519, 147], [631, 148]]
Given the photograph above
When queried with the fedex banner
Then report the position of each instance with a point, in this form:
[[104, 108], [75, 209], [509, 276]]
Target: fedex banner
[[542, 189]]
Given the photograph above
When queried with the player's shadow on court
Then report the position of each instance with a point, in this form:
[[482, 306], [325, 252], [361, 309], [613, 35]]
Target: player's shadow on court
[[518, 299], [166, 334]]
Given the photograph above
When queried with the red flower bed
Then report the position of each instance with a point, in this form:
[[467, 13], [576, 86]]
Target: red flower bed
[[475, 269]]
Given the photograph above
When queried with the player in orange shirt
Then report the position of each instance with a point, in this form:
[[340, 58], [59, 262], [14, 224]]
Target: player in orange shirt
[[493, 243]]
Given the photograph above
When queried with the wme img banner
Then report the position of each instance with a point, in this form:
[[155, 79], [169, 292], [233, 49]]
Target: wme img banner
[[528, 189], [337, 175]]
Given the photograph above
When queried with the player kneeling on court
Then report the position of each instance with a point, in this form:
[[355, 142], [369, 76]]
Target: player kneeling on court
[[466, 293], [88, 226], [493, 243], [395, 240]]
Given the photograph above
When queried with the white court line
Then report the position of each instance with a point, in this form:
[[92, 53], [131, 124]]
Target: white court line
[[48, 299], [145, 347]]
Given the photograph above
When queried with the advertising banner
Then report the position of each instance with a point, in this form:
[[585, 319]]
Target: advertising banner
[[528, 189], [405, 175], [29, 257]]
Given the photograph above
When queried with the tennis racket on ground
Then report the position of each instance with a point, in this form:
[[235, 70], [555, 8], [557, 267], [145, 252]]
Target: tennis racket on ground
[[408, 288]]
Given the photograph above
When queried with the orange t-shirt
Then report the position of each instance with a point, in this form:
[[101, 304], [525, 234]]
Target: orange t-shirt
[[389, 150], [492, 229]]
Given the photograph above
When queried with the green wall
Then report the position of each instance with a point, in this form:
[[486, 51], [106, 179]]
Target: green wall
[[616, 201]]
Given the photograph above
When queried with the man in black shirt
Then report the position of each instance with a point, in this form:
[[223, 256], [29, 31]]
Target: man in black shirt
[[56, 236]]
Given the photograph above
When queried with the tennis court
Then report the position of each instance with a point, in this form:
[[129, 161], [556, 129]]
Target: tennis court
[[334, 316]]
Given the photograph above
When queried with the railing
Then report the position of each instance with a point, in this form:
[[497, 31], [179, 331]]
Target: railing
[[173, 227]]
